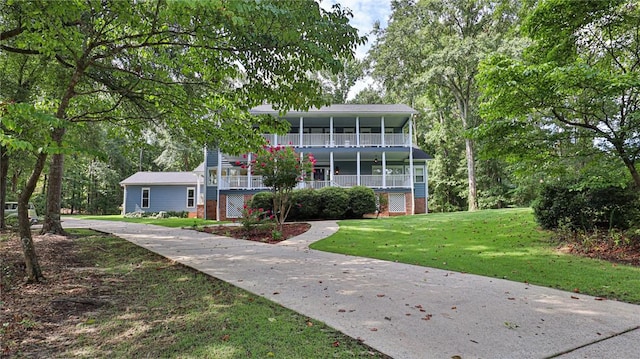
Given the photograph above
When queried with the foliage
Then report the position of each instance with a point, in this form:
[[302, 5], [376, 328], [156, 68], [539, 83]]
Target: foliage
[[428, 56], [565, 206], [281, 169], [334, 202], [306, 204], [362, 200], [262, 200], [253, 218], [574, 89], [504, 243]]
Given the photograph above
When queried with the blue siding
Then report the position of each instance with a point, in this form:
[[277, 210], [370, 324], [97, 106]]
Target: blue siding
[[210, 160], [420, 190], [161, 198]]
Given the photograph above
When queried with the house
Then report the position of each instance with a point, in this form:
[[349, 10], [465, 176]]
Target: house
[[367, 145], [165, 191]]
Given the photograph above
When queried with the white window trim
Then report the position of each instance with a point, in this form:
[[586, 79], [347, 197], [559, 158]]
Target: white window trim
[[148, 189], [193, 197]]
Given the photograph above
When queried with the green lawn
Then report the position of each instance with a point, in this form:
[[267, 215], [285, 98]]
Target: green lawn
[[497, 243], [167, 222]]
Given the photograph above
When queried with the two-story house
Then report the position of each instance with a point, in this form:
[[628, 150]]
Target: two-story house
[[367, 145]]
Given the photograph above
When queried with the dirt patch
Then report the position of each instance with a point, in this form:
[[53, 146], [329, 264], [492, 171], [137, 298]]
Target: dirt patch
[[37, 318], [266, 234], [625, 254]]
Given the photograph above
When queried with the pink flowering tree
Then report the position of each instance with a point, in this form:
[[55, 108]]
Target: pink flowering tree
[[282, 169]]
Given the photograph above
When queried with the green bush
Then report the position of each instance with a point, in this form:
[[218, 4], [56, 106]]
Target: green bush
[[361, 200], [179, 214], [305, 204], [262, 200], [334, 202], [586, 209]]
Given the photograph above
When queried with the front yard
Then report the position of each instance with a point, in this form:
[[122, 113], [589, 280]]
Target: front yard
[[497, 243]]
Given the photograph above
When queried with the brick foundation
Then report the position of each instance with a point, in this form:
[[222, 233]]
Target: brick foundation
[[420, 205], [211, 210]]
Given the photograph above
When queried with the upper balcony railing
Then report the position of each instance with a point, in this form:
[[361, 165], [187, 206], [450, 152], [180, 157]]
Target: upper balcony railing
[[373, 181], [340, 140]]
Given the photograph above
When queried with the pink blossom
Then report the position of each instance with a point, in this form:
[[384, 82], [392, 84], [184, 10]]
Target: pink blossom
[[237, 163]]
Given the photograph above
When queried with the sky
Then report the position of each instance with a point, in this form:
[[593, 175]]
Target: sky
[[365, 14]]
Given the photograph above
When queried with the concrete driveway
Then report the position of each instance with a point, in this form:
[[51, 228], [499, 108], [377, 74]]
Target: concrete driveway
[[402, 310]]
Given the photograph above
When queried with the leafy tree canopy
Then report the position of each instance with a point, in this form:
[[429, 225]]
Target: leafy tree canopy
[[578, 82]]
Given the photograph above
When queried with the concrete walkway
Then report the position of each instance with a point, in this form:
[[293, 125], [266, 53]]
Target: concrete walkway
[[402, 310]]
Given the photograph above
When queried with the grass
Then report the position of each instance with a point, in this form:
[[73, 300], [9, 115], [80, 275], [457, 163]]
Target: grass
[[167, 310], [497, 243], [167, 222]]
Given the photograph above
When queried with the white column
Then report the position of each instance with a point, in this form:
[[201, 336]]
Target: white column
[[301, 131], [219, 182], [382, 130], [384, 169], [249, 185], [331, 133], [198, 199], [331, 166], [358, 131], [411, 131], [124, 201], [358, 168], [411, 182]]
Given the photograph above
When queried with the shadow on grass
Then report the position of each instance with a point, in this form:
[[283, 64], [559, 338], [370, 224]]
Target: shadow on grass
[[163, 309]]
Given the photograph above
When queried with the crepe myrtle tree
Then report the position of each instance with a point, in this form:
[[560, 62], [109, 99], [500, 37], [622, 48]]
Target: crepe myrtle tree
[[281, 169]]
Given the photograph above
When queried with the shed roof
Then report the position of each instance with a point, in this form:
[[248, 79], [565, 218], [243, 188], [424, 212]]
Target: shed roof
[[160, 178]]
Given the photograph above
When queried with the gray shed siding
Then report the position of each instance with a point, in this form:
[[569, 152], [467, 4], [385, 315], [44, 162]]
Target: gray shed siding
[[161, 198]]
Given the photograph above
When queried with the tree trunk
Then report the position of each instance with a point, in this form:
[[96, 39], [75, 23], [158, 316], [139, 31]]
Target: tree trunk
[[463, 106], [634, 173], [471, 170], [34, 272], [4, 173], [52, 222]]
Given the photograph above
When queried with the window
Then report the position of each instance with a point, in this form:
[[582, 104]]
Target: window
[[419, 174], [191, 197], [146, 194], [212, 179]]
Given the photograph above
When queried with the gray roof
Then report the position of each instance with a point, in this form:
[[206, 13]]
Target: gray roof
[[343, 109], [419, 154], [161, 178]]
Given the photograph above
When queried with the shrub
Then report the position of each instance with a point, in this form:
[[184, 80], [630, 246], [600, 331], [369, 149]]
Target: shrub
[[334, 202], [306, 204], [262, 200], [179, 214], [361, 200], [587, 208]]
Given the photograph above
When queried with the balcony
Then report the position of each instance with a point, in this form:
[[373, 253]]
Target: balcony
[[340, 140], [346, 181]]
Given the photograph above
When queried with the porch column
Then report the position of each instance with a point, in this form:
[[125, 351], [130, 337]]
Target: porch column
[[384, 169], [382, 131], [331, 167], [249, 185], [411, 131], [358, 168], [358, 131], [411, 177], [219, 181], [301, 131], [331, 134]]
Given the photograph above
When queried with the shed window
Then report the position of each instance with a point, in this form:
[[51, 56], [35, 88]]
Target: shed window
[[191, 197], [146, 195]]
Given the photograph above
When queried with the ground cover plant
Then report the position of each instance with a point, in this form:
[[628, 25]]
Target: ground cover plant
[[497, 243], [105, 297]]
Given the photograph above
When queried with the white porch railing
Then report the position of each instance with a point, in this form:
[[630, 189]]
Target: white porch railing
[[373, 181], [339, 140]]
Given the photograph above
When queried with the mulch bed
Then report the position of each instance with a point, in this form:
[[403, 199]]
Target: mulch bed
[[263, 234]]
